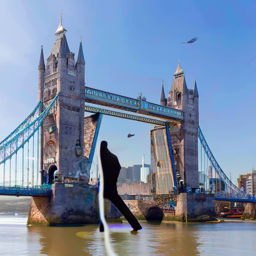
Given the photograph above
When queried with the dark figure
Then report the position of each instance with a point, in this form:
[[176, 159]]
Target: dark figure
[[181, 187], [111, 168]]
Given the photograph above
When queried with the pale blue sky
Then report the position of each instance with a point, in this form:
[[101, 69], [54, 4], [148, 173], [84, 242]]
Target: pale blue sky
[[129, 46]]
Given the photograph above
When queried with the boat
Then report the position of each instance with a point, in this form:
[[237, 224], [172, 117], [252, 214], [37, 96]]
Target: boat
[[236, 212]]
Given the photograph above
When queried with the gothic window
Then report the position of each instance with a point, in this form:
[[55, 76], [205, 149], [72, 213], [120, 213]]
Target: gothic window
[[56, 64]]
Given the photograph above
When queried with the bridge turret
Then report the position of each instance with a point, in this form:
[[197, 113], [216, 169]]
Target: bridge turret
[[163, 100], [80, 56], [178, 95], [80, 71], [195, 89], [41, 70]]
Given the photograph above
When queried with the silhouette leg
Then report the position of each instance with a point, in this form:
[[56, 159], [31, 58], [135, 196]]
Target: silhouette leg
[[122, 207], [101, 226]]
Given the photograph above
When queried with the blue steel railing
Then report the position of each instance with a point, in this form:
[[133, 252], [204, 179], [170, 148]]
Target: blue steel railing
[[43, 190], [25, 123], [125, 115], [235, 198], [215, 164], [130, 104], [12, 145]]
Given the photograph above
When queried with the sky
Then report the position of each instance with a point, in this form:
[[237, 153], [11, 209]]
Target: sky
[[130, 47]]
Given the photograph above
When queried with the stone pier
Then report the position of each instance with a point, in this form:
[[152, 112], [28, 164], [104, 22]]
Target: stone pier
[[195, 207], [69, 204], [250, 211]]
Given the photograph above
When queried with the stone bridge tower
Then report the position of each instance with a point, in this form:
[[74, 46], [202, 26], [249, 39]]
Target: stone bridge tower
[[63, 131], [62, 139], [184, 140]]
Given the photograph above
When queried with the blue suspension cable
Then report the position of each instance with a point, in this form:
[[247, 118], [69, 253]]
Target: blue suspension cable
[[16, 168], [37, 157], [23, 166], [10, 175], [207, 173], [204, 172], [4, 167], [28, 167], [201, 158], [33, 160]]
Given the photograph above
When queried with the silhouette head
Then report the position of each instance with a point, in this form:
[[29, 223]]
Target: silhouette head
[[104, 144], [104, 147]]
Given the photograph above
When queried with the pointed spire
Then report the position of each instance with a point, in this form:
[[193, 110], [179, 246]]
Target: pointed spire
[[80, 56], [63, 47], [163, 100], [41, 65], [196, 94], [60, 28], [178, 71]]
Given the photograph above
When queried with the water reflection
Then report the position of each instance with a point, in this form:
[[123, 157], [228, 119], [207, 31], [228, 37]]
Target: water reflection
[[168, 238], [165, 239]]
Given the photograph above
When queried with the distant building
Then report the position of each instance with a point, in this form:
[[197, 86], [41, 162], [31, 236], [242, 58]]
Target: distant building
[[216, 185], [122, 175], [144, 173], [136, 173], [248, 185], [254, 182], [144, 170], [132, 174], [129, 171], [241, 181]]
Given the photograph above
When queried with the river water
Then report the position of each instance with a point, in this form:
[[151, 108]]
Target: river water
[[232, 239]]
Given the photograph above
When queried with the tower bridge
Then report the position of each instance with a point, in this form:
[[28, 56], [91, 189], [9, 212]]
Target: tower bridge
[[63, 141]]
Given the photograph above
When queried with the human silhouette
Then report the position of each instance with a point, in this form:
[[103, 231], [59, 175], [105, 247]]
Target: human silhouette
[[111, 169]]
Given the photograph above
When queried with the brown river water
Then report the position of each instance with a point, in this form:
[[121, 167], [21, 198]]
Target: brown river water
[[168, 238]]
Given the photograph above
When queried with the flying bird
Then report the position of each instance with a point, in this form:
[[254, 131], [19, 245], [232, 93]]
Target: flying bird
[[191, 41], [130, 135]]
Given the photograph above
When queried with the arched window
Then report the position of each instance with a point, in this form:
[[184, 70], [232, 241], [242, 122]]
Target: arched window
[[178, 96]]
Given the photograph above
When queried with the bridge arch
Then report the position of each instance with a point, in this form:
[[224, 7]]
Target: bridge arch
[[51, 172]]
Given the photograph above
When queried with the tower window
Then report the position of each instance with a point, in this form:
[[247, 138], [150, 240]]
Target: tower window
[[71, 88]]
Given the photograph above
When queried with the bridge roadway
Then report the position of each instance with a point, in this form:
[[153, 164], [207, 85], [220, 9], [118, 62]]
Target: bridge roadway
[[139, 106], [43, 190], [236, 199]]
